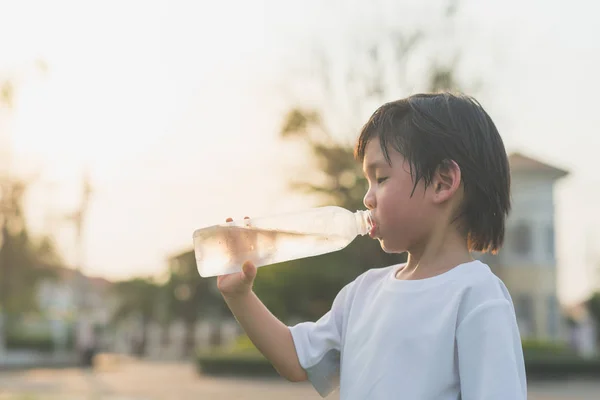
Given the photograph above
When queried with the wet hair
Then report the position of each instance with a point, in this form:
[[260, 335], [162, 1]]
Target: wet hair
[[429, 130]]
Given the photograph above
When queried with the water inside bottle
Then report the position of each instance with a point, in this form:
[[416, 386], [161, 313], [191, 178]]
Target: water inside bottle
[[223, 249]]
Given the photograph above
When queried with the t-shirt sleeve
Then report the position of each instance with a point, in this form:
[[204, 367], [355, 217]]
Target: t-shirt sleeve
[[490, 354], [318, 345]]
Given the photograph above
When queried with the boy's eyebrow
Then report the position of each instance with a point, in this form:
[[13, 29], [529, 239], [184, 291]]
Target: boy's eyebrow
[[374, 165]]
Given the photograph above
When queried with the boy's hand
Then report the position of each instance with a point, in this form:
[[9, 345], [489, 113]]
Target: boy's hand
[[239, 284]]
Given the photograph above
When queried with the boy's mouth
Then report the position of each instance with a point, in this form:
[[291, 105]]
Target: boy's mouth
[[373, 230]]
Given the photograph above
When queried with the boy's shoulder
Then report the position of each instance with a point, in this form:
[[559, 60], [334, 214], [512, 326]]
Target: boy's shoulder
[[471, 273], [375, 275], [478, 287], [474, 281], [465, 288], [479, 282], [371, 279], [380, 273]]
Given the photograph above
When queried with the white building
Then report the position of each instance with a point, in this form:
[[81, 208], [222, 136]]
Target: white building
[[58, 302], [527, 262]]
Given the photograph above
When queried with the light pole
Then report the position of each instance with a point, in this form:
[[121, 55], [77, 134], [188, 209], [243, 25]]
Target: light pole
[[78, 218]]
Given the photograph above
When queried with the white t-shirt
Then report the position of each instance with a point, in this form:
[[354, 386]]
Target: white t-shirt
[[449, 337]]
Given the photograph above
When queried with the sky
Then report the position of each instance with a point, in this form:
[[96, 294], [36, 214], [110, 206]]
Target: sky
[[173, 108]]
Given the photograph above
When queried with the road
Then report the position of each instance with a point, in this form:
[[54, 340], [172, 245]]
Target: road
[[134, 380]]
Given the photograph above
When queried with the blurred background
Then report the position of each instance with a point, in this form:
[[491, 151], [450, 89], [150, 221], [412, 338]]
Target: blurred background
[[125, 126]]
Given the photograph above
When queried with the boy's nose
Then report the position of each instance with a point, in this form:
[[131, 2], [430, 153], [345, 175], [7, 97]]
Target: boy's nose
[[369, 201]]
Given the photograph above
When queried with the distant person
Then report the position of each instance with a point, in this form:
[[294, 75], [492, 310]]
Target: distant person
[[441, 326], [86, 343]]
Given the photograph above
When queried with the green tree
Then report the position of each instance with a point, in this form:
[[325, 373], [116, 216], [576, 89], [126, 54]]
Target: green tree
[[191, 297], [24, 262], [137, 298], [593, 305], [305, 288]]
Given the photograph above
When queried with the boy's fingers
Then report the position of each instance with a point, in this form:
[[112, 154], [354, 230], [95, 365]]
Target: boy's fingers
[[249, 271], [231, 219]]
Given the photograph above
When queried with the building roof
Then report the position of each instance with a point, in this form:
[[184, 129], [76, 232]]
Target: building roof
[[182, 253], [521, 163], [68, 274], [577, 312]]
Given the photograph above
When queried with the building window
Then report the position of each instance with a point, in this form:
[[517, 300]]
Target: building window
[[553, 317], [524, 308], [522, 240], [550, 240]]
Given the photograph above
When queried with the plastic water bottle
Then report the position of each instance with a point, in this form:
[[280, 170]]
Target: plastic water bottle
[[222, 249]]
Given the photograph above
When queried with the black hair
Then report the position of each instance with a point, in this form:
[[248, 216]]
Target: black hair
[[431, 129]]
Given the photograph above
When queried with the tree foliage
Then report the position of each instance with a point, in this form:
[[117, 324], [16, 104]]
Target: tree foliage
[[376, 73], [24, 261]]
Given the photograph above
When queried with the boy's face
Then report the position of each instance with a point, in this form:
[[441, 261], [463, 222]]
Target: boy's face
[[402, 221]]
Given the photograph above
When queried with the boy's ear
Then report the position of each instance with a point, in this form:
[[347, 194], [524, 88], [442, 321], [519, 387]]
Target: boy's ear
[[446, 181]]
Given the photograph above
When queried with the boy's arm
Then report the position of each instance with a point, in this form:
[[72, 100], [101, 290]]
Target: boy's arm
[[268, 334], [490, 354]]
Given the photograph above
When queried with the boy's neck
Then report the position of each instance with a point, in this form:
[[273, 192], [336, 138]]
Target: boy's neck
[[437, 256]]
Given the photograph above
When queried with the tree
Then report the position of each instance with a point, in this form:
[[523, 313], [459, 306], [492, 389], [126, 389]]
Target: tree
[[136, 298], [24, 262], [324, 126], [305, 288], [593, 305], [192, 297]]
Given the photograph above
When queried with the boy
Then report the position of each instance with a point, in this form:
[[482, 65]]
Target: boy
[[441, 326]]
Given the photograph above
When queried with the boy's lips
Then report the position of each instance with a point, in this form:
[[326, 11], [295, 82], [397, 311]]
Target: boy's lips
[[373, 230]]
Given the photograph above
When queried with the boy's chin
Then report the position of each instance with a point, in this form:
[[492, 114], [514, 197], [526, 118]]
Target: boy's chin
[[390, 248]]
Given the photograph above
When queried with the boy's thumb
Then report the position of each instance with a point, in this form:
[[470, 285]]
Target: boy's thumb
[[249, 271]]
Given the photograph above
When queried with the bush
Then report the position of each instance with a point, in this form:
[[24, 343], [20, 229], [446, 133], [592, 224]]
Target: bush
[[243, 344], [562, 367], [540, 347], [235, 365], [241, 359], [41, 343], [543, 360], [552, 360], [38, 341]]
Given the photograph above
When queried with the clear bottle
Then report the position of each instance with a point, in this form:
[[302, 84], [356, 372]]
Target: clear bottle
[[222, 249]]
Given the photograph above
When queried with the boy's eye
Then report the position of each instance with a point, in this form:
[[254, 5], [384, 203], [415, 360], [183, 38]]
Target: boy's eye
[[381, 180]]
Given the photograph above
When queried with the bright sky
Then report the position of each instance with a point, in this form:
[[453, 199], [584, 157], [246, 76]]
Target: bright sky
[[174, 107]]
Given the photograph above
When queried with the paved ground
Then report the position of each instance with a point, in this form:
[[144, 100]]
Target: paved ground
[[159, 381]]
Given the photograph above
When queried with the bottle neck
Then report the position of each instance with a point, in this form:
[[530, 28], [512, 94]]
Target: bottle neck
[[364, 223]]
